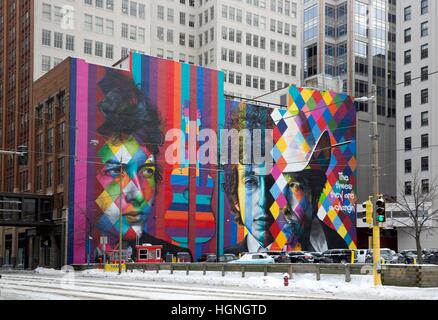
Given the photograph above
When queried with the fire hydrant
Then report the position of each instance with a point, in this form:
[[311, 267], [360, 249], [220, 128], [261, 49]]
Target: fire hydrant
[[286, 279]]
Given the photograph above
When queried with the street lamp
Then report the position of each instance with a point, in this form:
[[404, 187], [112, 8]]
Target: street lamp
[[375, 151]]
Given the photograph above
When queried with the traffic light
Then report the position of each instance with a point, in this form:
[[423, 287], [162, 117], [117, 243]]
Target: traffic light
[[368, 206], [380, 209], [23, 155]]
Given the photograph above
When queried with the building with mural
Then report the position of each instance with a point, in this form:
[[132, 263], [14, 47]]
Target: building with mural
[[138, 156]]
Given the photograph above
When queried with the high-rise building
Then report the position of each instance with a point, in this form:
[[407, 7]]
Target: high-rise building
[[417, 96], [257, 43], [350, 46]]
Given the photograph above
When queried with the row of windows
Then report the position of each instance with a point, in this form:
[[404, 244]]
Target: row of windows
[[257, 21], [47, 63], [424, 8], [58, 40], [424, 76], [204, 38], [424, 98], [203, 18], [424, 187], [424, 53], [109, 4], [424, 142], [424, 164], [424, 120], [424, 31], [99, 50], [182, 57], [49, 175]]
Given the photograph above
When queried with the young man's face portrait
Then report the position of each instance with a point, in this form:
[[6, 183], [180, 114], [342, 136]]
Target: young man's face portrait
[[131, 164], [253, 190]]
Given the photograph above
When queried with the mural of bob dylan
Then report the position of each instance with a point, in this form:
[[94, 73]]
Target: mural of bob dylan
[[133, 134], [247, 186], [305, 173]]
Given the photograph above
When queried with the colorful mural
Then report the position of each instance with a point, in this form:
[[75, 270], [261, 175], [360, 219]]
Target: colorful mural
[[120, 135]]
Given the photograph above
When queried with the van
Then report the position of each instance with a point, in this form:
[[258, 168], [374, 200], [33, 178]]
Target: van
[[361, 255]]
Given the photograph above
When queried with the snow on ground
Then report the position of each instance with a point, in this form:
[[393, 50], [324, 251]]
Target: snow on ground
[[360, 287]]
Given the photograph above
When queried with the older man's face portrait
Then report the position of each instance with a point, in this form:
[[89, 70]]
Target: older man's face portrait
[[131, 164], [252, 191]]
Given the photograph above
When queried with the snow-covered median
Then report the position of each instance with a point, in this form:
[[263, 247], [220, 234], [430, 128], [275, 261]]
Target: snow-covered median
[[360, 287]]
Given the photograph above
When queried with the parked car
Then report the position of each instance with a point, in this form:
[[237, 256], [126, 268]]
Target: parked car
[[300, 257], [386, 256], [222, 259], [204, 257], [254, 258], [184, 257], [430, 256], [339, 255], [408, 256], [279, 256], [318, 257], [361, 255]]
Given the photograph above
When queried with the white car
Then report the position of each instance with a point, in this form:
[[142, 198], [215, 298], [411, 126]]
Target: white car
[[254, 258]]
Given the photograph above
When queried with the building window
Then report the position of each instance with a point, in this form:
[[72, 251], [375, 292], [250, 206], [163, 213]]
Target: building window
[[39, 178], [424, 6], [49, 174], [408, 56], [69, 42], [424, 29], [408, 188], [61, 171], [109, 51], [408, 166], [50, 141], [424, 163], [424, 118], [424, 141], [424, 73], [425, 51], [98, 50], [45, 63], [61, 136], [88, 47], [408, 144], [425, 186], [424, 96], [47, 38], [408, 35], [58, 40], [182, 39], [408, 78], [88, 23], [408, 13], [408, 122], [408, 100]]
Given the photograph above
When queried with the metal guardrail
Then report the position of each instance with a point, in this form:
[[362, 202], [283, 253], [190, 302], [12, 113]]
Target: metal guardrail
[[290, 268]]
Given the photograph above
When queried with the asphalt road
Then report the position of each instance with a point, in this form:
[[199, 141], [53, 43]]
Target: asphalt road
[[28, 286]]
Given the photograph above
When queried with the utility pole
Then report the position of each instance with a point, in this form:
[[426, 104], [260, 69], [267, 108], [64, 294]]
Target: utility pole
[[121, 213], [376, 175]]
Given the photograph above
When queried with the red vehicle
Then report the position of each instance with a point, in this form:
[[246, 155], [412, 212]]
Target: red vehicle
[[149, 253]]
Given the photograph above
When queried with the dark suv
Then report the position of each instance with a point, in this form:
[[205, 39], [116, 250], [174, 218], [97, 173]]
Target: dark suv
[[227, 257], [279, 256], [339, 255], [300, 257], [430, 256], [318, 257]]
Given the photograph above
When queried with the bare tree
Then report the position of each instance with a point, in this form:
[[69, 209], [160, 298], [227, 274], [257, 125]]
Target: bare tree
[[418, 209]]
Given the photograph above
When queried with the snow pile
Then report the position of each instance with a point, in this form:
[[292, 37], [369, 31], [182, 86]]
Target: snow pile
[[360, 287], [40, 270]]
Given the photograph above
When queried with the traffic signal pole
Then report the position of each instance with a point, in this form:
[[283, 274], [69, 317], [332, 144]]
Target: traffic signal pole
[[375, 152]]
